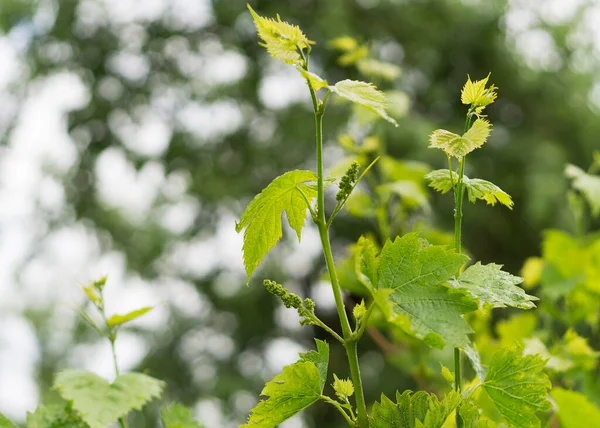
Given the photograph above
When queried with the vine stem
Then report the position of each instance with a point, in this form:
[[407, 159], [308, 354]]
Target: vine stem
[[459, 194], [350, 341]]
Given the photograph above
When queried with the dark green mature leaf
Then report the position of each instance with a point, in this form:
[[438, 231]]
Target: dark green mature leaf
[[518, 387], [54, 417], [365, 95], [296, 388], [122, 319], [262, 218], [320, 358], [492, 286], [410, 291], [575, 410], [6, 423], [100, 403], [178, 416], [412, 410]]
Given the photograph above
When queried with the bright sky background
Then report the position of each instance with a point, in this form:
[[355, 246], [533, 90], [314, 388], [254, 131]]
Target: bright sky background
[[39, 266]]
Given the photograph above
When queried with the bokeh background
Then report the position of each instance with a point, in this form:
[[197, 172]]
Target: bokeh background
[[135, 132]]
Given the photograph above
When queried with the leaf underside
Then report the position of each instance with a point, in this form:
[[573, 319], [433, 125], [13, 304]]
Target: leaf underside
[[364, 94]]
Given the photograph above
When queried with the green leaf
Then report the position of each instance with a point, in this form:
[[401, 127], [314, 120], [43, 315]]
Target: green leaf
[[441, 181], [575, 410], [364, 94], [344, 43], [472, 419], [100, 403], [53, 417], [518, 387], [262, 218], [366, 262], [535, 346], [476, 94], [487, 191], [122, 319], [320, 358], [314, 81], [178, 416], [282, 40], [413, 410], [492, 286], [587, 184], [376, 69], [6, 423], [457, 145], [411, 293], [344, 388], [296, 388]]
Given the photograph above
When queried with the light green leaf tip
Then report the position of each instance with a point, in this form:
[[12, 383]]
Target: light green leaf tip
[[587, 184], [262, 218], [575, 410], [320, 358], [490, 285], [487, 191], [6, 423], [442, 180], [314, 81], [518, 387], [364, 94], [281, 39], [100, 403], [457, 145], [411, 291], [476, 94], [122, 319]]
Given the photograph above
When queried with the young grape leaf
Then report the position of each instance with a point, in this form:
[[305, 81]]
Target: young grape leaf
[[457, 145], [262, 218], [518, 387], [587, 184], [490, 285], [441, 181], [411, 293], [364, 94], [575, 410], [413, 410], [472, 419], [6, 423], [366, 262], [282, 40], [178, 416], [314, 80], [296, 388], [53, 417], [122, 319], [320, 358], [487, 191], [476, 94], [100, 403]]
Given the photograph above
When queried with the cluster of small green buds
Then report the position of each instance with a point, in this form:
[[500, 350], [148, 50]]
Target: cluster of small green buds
[[359, 311], [347, 182], [306, 308]]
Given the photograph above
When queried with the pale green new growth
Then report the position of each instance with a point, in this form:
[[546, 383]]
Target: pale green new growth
[[178, 416], [472, 418], [487, 191], [476, 94], [262, 218], [411, 295], [490, 285], [296, 388], [575, 410], [413, 410], [518, 387], [320, 358], [587, 184], [314, 81], [282, 40], [365, 95], [458, 146], [53, 417], [343, 388], [122, 319], [442, 180], [100, 403]]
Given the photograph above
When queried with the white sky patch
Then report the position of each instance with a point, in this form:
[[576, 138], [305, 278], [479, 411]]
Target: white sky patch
[[282, 87], [281, 352], [149, 135], [209, 122]]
